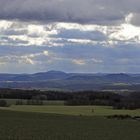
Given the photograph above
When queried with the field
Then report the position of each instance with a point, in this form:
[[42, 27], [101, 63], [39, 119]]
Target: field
[[40, 126], [54, 121], [72, 110]]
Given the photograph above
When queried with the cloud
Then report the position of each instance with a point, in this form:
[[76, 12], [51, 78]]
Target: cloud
[[127, 32], [68, 35], [71, 58], [27, 60], [46, 53], [16, 59], [135, 19], [23, 58], [79, 62], [89, 11], [14, 33], [86, 61]]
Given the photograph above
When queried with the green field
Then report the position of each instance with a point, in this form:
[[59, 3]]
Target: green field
[[41, 126], [59, 122], [72, 110]]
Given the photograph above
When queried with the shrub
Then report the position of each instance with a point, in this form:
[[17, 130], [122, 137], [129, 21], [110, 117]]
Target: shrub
[[3, 103]]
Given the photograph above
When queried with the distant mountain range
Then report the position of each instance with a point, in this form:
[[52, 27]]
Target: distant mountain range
[[71, 81]]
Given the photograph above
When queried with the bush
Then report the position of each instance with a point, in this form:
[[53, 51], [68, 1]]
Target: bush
[[3, 103], [121, 117]]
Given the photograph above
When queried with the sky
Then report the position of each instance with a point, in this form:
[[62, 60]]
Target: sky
[[86, 36]]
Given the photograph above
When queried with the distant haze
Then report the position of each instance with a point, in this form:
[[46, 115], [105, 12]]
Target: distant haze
[[59, 80]]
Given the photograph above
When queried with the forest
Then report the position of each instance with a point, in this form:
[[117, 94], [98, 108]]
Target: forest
[[131, 100]]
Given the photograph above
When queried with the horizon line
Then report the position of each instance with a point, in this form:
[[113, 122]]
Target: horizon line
[[70, 72]]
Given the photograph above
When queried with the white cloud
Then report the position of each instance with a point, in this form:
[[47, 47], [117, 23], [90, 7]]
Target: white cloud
[[79, 62], [86, 61], [23, 59], [128, 18], [27, 61], [14, 33], [127, 32], [46, 53], [96, 60], [4, 24]]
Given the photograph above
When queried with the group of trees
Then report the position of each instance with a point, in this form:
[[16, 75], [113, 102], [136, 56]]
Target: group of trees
[[129, 101], [93, 98], [29, 94]]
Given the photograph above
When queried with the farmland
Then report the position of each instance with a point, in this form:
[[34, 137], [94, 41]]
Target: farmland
[[51, 115], [72, 110], [43, 126], [22, 122]]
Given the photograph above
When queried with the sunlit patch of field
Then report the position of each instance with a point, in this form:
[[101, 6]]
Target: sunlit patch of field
[[73, 110]]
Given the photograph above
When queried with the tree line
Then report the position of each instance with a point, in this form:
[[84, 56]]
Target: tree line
[[129, 101]]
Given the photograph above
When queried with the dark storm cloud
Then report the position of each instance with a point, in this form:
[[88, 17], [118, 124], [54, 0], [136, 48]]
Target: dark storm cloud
[[80, 11]]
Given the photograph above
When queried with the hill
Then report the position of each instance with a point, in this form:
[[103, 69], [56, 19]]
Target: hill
[[71, 81]]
